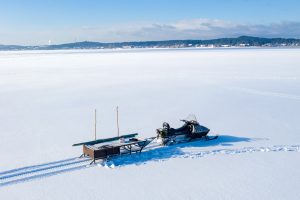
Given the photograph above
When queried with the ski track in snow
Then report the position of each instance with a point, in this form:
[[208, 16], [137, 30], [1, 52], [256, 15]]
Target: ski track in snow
[[30, 173]]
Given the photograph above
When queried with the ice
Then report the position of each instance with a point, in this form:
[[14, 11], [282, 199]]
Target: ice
[[249, 97]]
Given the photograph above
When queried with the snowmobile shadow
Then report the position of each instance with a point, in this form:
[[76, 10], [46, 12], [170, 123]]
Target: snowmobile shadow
[[223, 140], [173, 151]]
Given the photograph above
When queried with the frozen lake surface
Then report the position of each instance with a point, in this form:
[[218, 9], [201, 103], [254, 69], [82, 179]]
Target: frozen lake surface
[[249, 97]]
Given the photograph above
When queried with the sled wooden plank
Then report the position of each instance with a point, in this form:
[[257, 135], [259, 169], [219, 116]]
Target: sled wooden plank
[[106, 140]]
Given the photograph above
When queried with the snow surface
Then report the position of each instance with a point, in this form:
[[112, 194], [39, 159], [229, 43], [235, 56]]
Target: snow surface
[[250, 97]]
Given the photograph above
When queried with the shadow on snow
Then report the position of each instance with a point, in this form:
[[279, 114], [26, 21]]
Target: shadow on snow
[[173, 151]]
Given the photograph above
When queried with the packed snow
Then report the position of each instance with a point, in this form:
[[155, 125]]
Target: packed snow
[[249, 97]]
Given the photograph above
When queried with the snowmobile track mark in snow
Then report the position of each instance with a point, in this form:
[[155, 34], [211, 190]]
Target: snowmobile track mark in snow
[[276, 148], [35, 166], [42, 171], [166, 153], [36, 169], [37, 176], [158, 154]]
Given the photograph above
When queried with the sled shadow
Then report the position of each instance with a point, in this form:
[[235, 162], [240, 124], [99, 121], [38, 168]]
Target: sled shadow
[[167, 152]]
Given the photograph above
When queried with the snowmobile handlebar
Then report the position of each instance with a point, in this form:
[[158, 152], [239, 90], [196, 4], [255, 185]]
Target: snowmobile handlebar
[[189, 121]]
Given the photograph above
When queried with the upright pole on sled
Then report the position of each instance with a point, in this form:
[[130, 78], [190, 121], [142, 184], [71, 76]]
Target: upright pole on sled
[[95, 124], [118, 128]]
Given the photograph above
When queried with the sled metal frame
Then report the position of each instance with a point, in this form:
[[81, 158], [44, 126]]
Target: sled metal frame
[[107, 151]]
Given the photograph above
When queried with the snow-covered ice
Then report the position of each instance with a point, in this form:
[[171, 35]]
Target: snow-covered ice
[[249, 97]]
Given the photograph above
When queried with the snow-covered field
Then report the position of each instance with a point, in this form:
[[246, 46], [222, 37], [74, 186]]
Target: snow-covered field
[[250, 97]]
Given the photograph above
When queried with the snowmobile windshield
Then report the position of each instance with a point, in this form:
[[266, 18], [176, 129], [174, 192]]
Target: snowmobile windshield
[[191, 118]]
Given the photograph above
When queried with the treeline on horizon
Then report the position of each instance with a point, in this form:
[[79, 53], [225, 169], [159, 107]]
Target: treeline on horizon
[[243, 41]]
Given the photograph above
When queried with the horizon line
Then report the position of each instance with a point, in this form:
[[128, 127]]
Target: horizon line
[[140, 41]]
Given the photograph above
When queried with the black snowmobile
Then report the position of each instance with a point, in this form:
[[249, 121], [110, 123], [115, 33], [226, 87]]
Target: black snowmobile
[[191, 130]]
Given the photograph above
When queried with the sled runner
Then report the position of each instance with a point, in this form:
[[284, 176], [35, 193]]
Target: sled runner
[[109, 147]]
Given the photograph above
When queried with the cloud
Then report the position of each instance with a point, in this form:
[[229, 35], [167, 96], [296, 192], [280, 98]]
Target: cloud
[[212, 28], [193, 29], [184, 29]]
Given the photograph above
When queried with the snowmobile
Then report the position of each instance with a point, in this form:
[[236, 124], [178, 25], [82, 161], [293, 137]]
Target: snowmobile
[[190, 130]]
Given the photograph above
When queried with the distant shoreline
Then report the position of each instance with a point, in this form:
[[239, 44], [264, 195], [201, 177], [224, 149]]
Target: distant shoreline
[[139, 50], [221, 43]]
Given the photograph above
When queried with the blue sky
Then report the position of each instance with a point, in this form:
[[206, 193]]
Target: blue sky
[[31, 22]]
